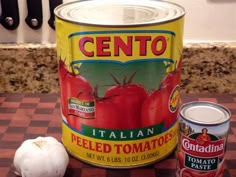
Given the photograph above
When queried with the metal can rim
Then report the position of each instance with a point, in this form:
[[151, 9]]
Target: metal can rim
[[212, 104], [119, 25]]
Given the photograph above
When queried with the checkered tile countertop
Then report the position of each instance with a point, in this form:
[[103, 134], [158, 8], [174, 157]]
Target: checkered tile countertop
[[24, 116]]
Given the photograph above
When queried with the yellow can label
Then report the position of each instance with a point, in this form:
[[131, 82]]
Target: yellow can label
[[119, 91], [119, 148]]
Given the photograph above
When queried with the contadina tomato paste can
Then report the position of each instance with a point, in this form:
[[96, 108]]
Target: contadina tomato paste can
[[203, 136], [119, 69]]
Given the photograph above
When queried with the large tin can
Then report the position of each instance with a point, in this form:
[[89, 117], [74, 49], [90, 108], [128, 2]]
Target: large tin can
[[119, 73], [203, 136]]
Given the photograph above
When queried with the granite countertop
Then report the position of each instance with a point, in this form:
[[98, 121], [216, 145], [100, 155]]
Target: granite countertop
[[24, 116], [207, 68]]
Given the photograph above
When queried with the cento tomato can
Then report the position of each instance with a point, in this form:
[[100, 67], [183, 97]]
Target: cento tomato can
[[203, 136], [119, 72]]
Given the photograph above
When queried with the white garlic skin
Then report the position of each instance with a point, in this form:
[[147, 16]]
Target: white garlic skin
[[41, 157]]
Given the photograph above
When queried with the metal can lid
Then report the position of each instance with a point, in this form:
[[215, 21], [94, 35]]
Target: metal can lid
[[206, 113], [119, 13]]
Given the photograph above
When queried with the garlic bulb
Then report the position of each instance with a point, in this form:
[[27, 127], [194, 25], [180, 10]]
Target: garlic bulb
[[41, 157]]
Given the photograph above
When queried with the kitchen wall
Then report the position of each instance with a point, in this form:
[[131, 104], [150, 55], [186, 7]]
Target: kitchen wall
[[206, 21], [209, 20]]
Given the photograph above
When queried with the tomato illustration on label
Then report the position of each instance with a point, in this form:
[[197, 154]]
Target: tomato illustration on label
[[62, 75], [107, 115], [83, 109], [128, 99], [152, 107], [180, 157], [171, 97], [188, 173], [72, 86], [162, 104]]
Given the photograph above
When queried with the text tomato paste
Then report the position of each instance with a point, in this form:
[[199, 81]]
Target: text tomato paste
[[119, 68]]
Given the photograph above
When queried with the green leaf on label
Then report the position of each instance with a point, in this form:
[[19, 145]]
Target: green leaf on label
[[148, 74]]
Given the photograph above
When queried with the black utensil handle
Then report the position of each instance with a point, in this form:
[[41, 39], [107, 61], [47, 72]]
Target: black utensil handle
[[53, 4], [0, 11], [10, 18], [35, 15]]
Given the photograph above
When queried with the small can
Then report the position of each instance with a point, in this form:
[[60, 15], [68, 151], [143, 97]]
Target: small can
[[119, 66], [202, 139]]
